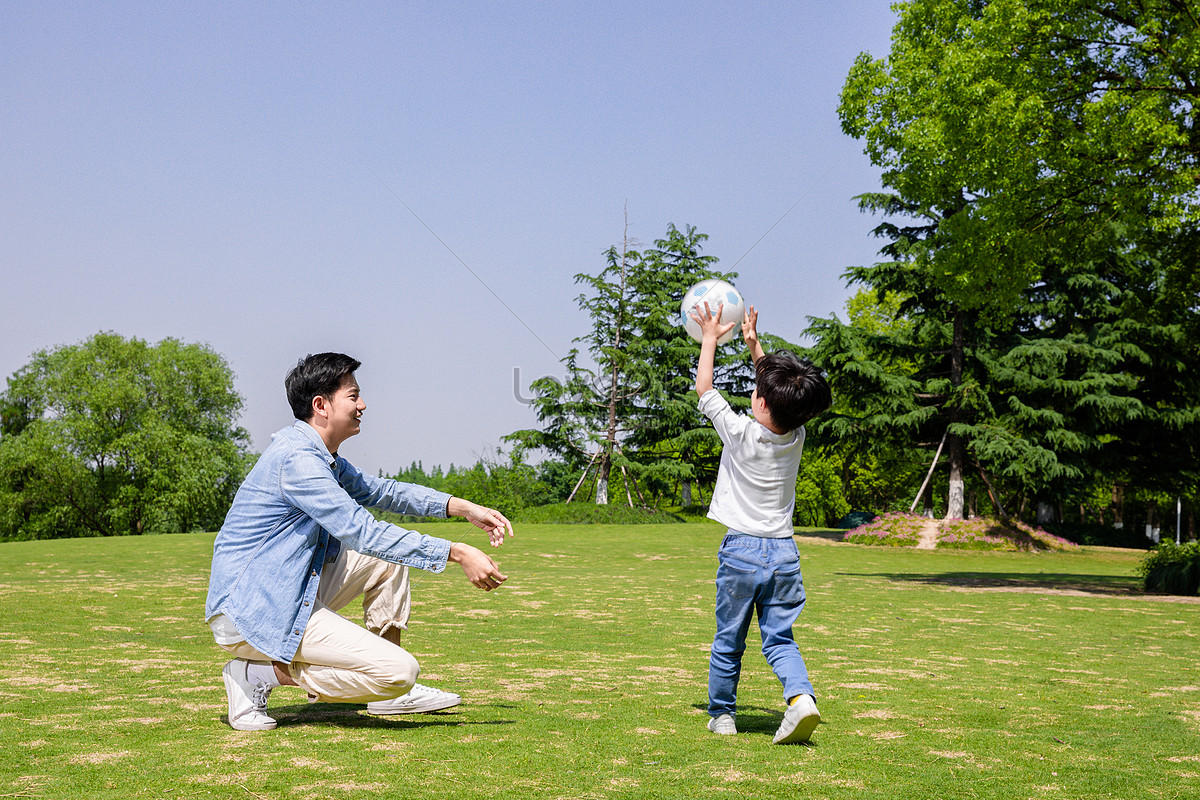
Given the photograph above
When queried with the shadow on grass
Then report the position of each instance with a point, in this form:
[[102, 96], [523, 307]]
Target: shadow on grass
[[1111, 585], [826, 534], [352, 715]]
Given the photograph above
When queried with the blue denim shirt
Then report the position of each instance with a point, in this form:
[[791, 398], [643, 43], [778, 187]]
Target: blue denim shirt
[[296, 509]]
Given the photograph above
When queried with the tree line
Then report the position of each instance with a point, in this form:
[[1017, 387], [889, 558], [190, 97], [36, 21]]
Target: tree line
[[1026, 347]]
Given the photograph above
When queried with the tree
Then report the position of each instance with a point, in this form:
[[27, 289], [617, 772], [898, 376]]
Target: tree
[[115, 436], [1028, 126], [635, 410], [676, 445], [879, 467], [586, 415], [1094, 379], [1020, 136]]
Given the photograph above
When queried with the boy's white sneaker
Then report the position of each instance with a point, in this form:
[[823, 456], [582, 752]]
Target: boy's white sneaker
[[799, 721], [722, 724], [247, 698], [418, 700]]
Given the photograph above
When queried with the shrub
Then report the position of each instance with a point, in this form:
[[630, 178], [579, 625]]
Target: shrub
[[899, 529], [985, 533], [855, 518], [896, 529], [1093, 533], [591, 514], [555, 513], [1172, 569]]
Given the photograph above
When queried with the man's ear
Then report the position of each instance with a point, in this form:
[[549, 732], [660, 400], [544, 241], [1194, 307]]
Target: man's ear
[[320, 406]]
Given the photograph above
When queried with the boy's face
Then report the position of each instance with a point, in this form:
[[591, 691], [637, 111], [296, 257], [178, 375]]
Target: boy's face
[[758, 407], [345, 410]]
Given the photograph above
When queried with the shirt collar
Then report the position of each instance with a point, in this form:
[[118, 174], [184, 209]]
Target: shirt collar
[[311, 433], [767, 435]]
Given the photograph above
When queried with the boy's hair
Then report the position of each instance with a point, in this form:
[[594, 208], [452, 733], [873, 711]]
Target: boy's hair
[[321, 374], [795, 390]]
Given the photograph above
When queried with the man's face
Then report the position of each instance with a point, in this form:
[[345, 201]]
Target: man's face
[[345, 409]]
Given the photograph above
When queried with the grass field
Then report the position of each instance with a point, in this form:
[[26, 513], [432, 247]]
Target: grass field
[[939, 675]]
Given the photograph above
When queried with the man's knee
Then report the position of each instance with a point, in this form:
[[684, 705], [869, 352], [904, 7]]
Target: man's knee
[[398, 673]]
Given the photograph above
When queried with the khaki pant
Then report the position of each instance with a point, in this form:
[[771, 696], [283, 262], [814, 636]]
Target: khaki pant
[[339, 661]]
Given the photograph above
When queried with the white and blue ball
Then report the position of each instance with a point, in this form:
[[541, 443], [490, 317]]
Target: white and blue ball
[[715, 292]]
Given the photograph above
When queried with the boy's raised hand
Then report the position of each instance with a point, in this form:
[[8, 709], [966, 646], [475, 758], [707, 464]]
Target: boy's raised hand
[[710, 324], [750, 327], [750, 333]]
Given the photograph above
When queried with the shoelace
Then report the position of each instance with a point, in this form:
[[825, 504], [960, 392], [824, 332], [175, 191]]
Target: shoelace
[[261, 692]]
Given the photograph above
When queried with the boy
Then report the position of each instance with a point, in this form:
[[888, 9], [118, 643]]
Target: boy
[[758, 563]]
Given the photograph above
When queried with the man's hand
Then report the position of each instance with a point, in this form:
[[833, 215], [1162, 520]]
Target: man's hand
[[478, 566], [486, 519]]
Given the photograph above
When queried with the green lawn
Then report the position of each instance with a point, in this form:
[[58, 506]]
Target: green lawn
[[939, 675]]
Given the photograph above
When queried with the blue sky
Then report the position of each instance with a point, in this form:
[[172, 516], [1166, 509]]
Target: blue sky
[[273, 180]]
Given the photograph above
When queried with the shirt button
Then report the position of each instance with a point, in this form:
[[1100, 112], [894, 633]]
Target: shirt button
[[314, 573], [297, 633], [305, 602]]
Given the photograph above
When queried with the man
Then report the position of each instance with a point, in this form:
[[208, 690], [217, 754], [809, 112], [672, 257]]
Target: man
[[298, 545]]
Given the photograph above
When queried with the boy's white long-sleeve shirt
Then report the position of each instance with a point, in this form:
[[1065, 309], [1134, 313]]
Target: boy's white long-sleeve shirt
[[756, 484]]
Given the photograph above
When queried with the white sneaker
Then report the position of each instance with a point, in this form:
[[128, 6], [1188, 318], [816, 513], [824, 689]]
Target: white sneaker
[[799, 721], [247, 699], [419, 699], [722, 724]]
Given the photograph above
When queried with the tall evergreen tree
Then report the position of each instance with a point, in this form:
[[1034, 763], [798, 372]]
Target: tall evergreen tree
[[676, 445], [1025, 139], [586, 416], [627, 402]]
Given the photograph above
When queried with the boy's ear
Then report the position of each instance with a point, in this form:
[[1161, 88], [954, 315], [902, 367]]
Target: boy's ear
[[762, 405]]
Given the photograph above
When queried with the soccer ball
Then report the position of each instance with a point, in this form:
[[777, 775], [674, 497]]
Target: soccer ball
[[715, 292]]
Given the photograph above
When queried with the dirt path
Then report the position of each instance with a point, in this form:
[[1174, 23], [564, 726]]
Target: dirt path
[[929, 532]]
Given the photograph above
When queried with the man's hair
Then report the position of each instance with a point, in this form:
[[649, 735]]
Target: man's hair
[[321, 374], [795, 390]]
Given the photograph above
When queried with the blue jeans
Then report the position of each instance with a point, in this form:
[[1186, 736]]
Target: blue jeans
[[756, 575]]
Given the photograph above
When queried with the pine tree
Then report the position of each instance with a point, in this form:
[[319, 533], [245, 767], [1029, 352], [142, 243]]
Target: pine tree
[[627, 403]]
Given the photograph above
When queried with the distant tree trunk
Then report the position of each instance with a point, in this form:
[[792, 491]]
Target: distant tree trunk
[[955, 495], [603, 471], [1118, 503], [954, 444], [614, 383], [686, 494]]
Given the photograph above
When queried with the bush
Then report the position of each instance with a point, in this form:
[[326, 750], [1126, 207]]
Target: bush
[[819, 495], [592, 514], [1172, 569], [899, 529], [984, 533], [1093, 533], [896, 529], [855, 518]]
